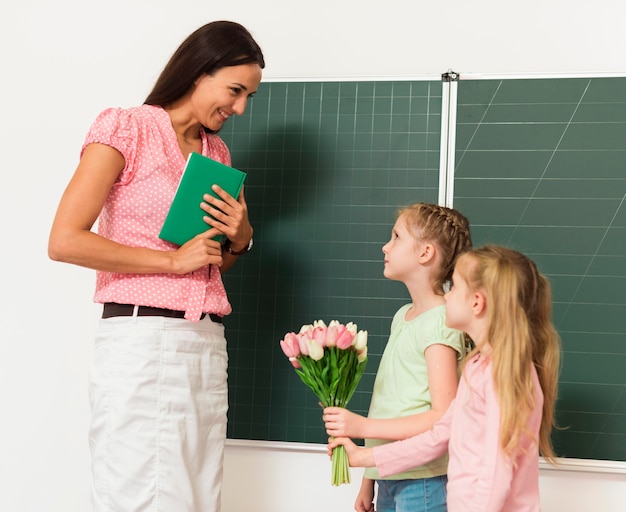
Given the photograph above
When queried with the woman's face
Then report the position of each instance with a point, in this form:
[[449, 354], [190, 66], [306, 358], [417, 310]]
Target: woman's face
[[218, 96]]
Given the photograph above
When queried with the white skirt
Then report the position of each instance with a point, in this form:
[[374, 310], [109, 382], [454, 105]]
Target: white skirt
[[159, 399]]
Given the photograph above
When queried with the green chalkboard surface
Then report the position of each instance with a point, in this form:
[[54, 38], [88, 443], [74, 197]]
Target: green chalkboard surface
[[541, 167], [328, 164]]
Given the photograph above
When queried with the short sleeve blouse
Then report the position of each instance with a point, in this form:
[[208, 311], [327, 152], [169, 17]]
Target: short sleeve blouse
[[137, 204]]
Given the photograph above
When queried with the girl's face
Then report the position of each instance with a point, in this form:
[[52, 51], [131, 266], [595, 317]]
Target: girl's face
[[217, 97], [401, 252], [459, 302]]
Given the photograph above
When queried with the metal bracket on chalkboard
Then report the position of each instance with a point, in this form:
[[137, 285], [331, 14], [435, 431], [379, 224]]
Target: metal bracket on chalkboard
[[450, 76]]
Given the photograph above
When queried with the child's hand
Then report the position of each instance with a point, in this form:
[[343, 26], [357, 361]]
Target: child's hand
[[357, 457], [340, 422], [365, 499]]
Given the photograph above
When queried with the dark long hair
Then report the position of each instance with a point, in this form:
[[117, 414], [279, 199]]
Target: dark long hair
[[211, 47]]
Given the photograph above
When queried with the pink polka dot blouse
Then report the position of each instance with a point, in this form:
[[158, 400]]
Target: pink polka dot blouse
[[136, 207]]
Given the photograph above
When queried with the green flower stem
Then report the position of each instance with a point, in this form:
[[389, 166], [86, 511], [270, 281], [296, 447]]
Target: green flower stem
[[334, 379], [340, 467]]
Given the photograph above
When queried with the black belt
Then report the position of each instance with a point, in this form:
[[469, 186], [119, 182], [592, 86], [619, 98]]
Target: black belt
[[112, 309]]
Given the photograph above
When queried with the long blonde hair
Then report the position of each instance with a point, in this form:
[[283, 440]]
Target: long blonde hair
[[520, 332], [445, 227]]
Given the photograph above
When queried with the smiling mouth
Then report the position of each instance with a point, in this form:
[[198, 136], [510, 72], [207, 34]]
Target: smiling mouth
[[223, 114]]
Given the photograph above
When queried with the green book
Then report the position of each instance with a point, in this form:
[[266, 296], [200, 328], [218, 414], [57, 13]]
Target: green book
[[184, 219]]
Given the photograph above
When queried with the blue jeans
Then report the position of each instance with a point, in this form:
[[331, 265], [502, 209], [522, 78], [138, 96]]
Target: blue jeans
[[422, 495]]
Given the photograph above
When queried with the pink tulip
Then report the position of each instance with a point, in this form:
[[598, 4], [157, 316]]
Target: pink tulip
[[303, 340], [290, 345], [319, 335], [331, 335], [319, 323], [306, 329], [295, 363], [344, 337]]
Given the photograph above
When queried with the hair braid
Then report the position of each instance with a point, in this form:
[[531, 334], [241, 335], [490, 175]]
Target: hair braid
[[445, 227]]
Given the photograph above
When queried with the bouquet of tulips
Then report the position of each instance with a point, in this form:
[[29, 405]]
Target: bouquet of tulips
[[330, 359]]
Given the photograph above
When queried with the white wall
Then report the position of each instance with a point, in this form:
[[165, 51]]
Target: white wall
[[276, 476], [62, 62]]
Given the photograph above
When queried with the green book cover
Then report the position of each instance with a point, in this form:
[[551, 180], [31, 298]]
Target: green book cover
[[184, 219]]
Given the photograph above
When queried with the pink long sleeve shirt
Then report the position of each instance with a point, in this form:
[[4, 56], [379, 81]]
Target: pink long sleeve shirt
[[480, 477]]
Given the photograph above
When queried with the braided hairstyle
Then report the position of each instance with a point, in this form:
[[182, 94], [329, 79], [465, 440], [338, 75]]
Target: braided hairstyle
[[445, 227]]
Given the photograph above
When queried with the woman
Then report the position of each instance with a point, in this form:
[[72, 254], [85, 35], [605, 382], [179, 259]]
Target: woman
[[158, 386]]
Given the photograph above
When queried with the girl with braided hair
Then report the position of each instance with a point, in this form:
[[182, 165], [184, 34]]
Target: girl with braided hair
[[502, 416], [418, 374]]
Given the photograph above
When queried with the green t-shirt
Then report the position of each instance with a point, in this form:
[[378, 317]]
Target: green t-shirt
[[401, 385]]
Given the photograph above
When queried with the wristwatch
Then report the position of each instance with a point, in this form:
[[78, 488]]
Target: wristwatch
[[229, 250]]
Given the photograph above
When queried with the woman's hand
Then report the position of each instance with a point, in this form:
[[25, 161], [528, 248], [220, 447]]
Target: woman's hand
[[341, 422], [198, 252], [357, 457], [228, 215]]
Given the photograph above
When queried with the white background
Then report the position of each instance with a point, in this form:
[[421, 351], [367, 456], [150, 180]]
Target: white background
[[62, 62]]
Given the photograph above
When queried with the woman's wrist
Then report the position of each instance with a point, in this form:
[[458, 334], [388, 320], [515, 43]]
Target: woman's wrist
[[237, 249]]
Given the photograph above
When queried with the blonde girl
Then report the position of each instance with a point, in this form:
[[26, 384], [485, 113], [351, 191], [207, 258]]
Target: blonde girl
[[502, 416], [418, 373]]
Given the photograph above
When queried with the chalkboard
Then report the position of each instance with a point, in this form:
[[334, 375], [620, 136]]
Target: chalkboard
[[539, 167], [328, 164]]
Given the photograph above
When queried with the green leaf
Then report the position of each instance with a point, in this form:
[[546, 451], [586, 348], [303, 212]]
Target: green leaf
[[333, 378]]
